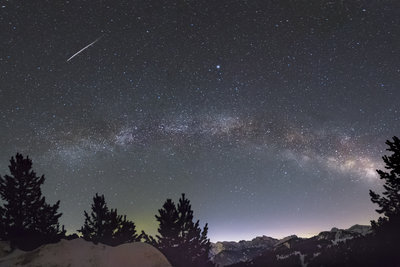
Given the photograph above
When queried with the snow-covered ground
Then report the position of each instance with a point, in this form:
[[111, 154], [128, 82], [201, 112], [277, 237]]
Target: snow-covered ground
[[78, 252]]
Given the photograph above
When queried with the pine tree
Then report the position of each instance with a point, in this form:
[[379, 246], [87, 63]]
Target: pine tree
[[126, 232], [389, 203], [94, 226], [192, 239], [181, 239], [148, 239], [202, 256], [106, 226], [28, 221], [167, 239]]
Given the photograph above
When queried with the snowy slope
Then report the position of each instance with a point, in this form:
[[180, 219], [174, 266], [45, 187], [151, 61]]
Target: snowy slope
[[295, 251], [229, 252], [78, 252]]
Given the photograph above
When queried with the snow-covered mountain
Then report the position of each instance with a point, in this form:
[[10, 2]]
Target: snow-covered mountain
[[80, 253], [291, 248], [361, 229], [229, 252]]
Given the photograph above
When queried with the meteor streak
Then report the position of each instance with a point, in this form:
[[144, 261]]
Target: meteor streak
[[89, 45]]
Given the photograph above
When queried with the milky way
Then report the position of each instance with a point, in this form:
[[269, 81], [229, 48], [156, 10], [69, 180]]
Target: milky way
[[270, 116]]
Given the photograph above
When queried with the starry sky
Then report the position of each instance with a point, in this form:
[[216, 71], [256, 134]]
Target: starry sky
[[270, 115]]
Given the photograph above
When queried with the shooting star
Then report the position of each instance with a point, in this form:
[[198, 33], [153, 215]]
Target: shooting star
[[89, 45]]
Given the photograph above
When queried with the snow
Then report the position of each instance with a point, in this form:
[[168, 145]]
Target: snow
[[340, 238], [285, 240], [78, 252], [298, 253], [361, 229], [5, 248]]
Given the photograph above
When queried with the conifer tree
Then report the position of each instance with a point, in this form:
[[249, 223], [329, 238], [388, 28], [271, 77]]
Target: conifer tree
[[94, 228], [168, 237], [204, 250], [28, 221], [192, 239], [181, 239], [106, 226], [389, 201], [125, 232]]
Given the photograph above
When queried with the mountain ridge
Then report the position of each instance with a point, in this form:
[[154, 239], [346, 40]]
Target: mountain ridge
[[224, 253]]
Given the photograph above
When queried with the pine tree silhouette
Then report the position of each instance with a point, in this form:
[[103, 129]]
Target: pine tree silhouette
[[179, 238], [106, 226], [167, 239], [387, 228], [94, 226], [125, 233], [191, 238], [389, 203], [28, 221]]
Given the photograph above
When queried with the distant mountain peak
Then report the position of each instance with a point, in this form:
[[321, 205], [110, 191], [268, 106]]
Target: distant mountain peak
[[361, 229], [226, 253], [229, 252], [285, 240]]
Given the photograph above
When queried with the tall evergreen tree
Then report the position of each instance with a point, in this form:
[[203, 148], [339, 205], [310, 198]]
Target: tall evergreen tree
[[389, 201], [106, 226], [191, 238], [179, 238], [28, 221], [168, 237], [94, 227]]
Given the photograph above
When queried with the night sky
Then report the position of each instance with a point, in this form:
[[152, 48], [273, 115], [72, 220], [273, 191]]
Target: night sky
[[270, 115]]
